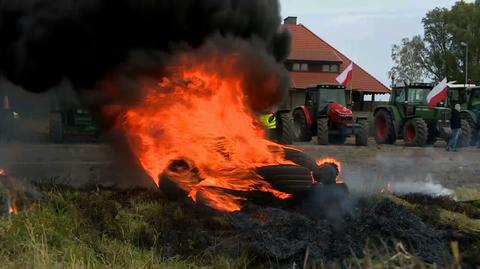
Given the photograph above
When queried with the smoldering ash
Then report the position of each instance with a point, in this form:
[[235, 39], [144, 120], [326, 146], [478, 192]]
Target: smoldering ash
[[45, 41]]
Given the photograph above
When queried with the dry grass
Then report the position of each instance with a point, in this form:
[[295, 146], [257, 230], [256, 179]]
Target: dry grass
[[57, 233], [73, 229]]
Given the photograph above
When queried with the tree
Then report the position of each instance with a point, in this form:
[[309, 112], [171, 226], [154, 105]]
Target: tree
[[440, 53], [440, 60], [408, 59]]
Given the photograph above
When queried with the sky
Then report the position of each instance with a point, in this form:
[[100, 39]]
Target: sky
[[364, 30]]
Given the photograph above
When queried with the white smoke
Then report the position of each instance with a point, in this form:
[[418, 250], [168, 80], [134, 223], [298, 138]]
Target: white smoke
[[427, 187]]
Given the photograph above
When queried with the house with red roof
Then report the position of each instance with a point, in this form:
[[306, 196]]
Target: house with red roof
[[313, 61]]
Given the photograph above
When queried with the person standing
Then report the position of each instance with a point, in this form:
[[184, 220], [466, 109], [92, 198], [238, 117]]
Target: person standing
[[456, 126]]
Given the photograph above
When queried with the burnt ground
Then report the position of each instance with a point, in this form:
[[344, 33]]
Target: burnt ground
[[282, 235]]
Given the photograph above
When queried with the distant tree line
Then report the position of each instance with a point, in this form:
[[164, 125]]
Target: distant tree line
[[441, 51]]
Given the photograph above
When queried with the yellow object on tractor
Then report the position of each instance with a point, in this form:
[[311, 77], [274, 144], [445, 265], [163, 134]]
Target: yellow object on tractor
[[279, 127]]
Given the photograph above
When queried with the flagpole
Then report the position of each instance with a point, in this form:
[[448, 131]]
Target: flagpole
[[351, 90]]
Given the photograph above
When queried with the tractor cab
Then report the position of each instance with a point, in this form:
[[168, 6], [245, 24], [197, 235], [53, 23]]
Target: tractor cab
[[319, 98], [72, 124], [326, 116], [474, 98]]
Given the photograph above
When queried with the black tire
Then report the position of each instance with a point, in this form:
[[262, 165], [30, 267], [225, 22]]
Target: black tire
[[301, 158], [361, 138], [322, 131], [56, 128], [433, 134], [474, 131], [326, 174], [384, 128], [415, 132], [291, 179], [284, 130], [301, 129], [466, 136]]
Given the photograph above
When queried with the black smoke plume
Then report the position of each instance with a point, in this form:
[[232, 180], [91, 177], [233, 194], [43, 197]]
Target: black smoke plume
[[45, 41]]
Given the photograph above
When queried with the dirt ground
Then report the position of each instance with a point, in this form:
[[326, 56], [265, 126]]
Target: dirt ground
[[380, 164], [364, 168]]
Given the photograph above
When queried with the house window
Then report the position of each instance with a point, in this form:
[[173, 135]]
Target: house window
[[330, 68], [334, 68], [300, 67]]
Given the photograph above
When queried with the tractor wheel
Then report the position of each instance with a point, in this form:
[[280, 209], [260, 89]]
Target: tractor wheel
[[474, 131], [301, 128], [384, 128], [415, 132], [361, 138], [433, 134], [322, 131], [466, 136], [56, 127], [284, 130]]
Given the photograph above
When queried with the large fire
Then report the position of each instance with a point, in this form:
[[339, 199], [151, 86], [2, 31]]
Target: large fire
[[199, 122]]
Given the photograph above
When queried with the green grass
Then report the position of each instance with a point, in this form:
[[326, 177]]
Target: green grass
[[71, 229], [468, 193]]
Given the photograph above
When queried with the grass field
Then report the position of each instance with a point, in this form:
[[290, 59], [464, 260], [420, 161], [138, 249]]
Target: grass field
[[140, 229]]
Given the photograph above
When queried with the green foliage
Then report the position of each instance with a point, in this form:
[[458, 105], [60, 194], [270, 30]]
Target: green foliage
[[440, 53], [408, 58]]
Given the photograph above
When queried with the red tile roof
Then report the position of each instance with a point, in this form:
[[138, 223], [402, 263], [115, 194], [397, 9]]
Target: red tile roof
[[306, 45]]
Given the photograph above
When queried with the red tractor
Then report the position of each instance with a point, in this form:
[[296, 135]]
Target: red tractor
[[326, 116]]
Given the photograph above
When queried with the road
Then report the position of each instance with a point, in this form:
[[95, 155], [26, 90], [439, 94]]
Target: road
[[369, 167]]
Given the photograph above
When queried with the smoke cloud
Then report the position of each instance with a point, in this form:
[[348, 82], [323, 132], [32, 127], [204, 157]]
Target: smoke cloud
[[43, 42]]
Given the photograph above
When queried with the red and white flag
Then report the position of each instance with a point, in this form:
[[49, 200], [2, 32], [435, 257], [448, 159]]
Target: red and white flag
[[438, 94], [347, 75]]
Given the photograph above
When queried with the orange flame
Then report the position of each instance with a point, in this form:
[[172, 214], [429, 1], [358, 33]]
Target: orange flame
[[2, 172], [202, 118], [338, 164], [330, 160], [13, 210]]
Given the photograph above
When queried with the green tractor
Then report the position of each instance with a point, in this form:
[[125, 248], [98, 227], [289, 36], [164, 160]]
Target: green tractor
[[72, 124], [408, 116], [468, 96], [325, 115]]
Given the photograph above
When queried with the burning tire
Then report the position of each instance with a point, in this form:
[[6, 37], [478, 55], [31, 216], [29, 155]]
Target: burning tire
[[384, 128], [284, 131], [302, 132], [322, 131], [361, 138], [291, 179], [326, 174], [415, 132], [298, 180]]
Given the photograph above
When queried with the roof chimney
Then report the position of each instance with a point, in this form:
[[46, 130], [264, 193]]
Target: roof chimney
[[290, 20]]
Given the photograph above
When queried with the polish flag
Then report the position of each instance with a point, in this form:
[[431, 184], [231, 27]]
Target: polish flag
[[345, 77], [438, 94]]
